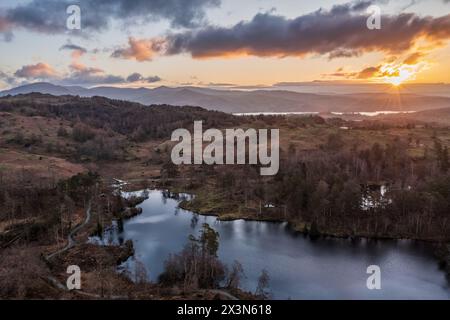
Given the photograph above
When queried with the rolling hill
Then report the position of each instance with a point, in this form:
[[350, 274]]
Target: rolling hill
[[232, 101]]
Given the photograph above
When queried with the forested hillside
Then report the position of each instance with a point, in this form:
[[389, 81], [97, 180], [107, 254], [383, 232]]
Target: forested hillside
[[59, 156]]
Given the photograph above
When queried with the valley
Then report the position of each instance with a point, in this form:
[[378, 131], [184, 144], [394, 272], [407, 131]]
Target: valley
[[59, 153]]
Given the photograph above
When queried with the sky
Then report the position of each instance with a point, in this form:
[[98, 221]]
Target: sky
[[223, 43]]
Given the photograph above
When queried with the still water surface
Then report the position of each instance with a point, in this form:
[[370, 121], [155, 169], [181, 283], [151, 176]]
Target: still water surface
[[299, 268]]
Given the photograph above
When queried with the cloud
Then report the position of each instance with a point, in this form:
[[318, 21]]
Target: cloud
[[77, 51], [79, 67], [93, 76], [364, 74], [88, 76], [79, 74], [49, 16], [414, 58], [37, 71], [73, 47], [339, 32], [7, 78], [89, 79], [391, 70], [5, 30], [137, 77], [342, 53], [83, 75], [368, 73], [152, 79], [140, 50], [4, 25], [221, 84], [134, 77]]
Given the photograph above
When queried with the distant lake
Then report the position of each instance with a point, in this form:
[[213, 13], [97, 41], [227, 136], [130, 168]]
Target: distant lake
[[274, 113], [356, 113], [299, 268]]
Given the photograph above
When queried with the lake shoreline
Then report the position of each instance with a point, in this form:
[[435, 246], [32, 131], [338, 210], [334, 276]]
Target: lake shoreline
[[123, 252], [441, 247], [357, 243], [302, 226]]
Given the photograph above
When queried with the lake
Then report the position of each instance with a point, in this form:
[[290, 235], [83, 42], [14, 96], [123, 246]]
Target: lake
[[355, 113], [299, 268]]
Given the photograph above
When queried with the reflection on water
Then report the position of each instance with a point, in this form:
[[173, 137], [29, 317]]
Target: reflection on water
[[355, 113], [111, 236], [298, 267], [373, 114]]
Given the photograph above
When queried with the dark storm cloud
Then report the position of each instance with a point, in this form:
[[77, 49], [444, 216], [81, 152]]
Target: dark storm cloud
[[49, 16], [341, 31]]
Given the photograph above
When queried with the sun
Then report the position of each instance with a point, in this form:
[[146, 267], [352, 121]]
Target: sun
[[403, 75], [398, 74]]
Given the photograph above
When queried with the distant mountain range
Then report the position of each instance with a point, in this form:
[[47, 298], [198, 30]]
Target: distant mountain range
[[239, 101]]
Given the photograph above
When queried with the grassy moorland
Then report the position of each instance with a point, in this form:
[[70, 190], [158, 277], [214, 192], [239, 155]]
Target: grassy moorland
[[58, 156]]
